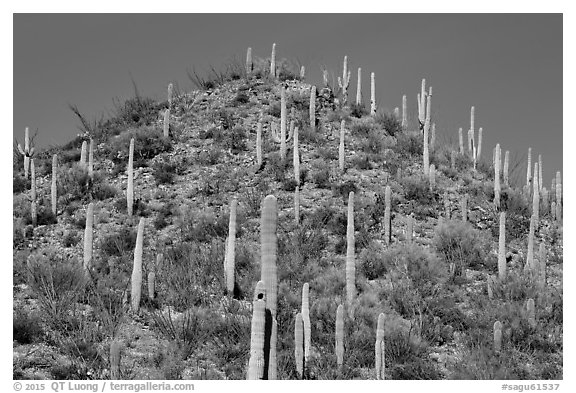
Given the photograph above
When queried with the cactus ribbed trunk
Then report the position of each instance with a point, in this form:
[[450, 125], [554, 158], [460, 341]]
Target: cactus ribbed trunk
[[540, 183], [283, 123], [136, 280], [273, 61], [26, 152], [530, 253], [531, 313], [296, 156], [404, 112], [88, 236], [497, 162], [83, 158], [529, 168], [344, 82], [372, 94], [558, 197], [312, 108], [166, 123], [497, 336], [248, 61], [341, 147], [115, 358], [536, 198], [432, 175], [446, 205], [54, 188], [302, 73], [479, 149], [306, 321], [297, 205], [387, 215], [460, 141], [259, 143], [505, 170], [340, 336], [152, 285], [170, 94], [380, 362], [359, 87], [432, 136], [130, 188], [257, 360], [426, 131], [350, 254], [422, 106], [33, 210], [91, 159], [502, 248], [231, 249], [299, 345], [471, 141]]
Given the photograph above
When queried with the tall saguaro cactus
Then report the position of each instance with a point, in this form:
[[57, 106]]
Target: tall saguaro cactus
[[91, 158], [341, 147], [136, 280], [422, 104], [296, 156], [231, 248], [350, 255], [404, 112], [502, 248], [505, 170], [83, 150], [312, 108], [540, 182], [297, 205], [531, 313], [259, 143], [359, 87], [306, 321], [89, 236], [33, 211], [426, 130], [299, 345], [170, 94], [27, 152], [344, 81], [54, 187], [283, 120], [471, 139], [340, 336], [536, 197], [387, 215], [558, 201], [257, 362], [273, 61], [479, 149], [529, 168], [497, 336], [497, 162], [166, 123], [529, 267], [372, 94], [130, 188], [380, 361], [248, 61], [460, 141]]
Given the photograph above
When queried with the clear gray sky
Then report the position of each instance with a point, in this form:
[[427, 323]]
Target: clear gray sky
[[509, 66]]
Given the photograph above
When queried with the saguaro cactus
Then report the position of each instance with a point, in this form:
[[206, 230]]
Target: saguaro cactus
[[302, 72], [297, 205], [461, 141], [256, 362], [115, 358], [231, 248], [248, 61], [299, 345], [422, 104], [479, 149], [170, 94], [372, 94], [536, 197], [432, 136], [404, 112], [505, 169], [529, 167], [497, 336], [379, 348], [471, 140], [152, 284], [341, 147], [558, 197], [83, 150], [166, 123], [502, 248], [54, 188], [91, 159], [426, 130], [387, 215], [296, 156], [531, 313], [27, 152], [530, 253], [130, 188], [359, 87], [33, 211], [283, 115], [136, 292], [88, 236], [540, 183], [350, 255], [497, 162], [432, 174], [313, 108], [344, 81], [340, 336], [273, 61], [306, 321], [259, 143]]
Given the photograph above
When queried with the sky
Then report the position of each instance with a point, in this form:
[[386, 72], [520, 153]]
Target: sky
[[509, 66]]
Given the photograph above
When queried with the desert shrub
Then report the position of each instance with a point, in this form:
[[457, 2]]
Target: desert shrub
[[148, 143], [343, 189], [162, 219], [320, 174], [210, 156], [361, 161], [203, 226], [358, 110], [417, 189], [71, 238], [362, 128], [20, 183], [409, 144], [164, 172], [101, 190], [389, 122], [518, 212], [235, 139], [371, 261], [276, 167], [26, 327], [211, 133], [461, 245], [240, 99], [118, 243]]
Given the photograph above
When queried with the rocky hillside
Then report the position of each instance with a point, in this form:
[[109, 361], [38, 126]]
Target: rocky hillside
[[375, 231]]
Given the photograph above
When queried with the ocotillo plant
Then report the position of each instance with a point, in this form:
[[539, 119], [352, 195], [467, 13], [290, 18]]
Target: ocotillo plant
[[248, 61], [88, 236], [33, 211], [313, 108], [379, 348], [296, 156], [529, 167], [529, 267], [83, 150], [297, 205], [268, 251], [502, 248], [259, 143], [170, 94], [359, 87], [558, 197], [461, 141], [536, 197], [426, 130], [54, 188], [497, 336], [299, 345], [231, 248], [531, 313], [115, 357], [283, 114], [344, 81], [479, 149], [340, 336], [306, 321], [387, 215], [372, 94], [341, 147], [404, 112], [130, 188], [505, 169], [497, 162], [91, 159], [350, 255], [166, 123], [136, 279], [273, 61], [256, 362], [27, 152]]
